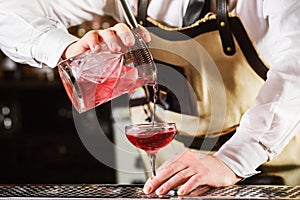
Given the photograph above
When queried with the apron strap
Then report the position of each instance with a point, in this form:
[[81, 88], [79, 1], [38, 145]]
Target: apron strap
[[224, 28], [142, 12], [195, 10]]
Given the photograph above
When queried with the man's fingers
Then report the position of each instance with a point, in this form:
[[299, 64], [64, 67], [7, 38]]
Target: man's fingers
[[109, 37], [90, 40], [176, 180], [144, 34], [195, 181], [116, 37], [163, 174], [124, 34]]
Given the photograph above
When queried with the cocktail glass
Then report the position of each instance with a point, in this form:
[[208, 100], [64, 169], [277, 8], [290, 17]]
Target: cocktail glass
[[151, 138]]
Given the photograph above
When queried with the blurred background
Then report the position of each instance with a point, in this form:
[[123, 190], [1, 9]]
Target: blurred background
[[38, 138]]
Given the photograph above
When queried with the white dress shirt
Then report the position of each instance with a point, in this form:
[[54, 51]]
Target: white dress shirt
[[35, 32]]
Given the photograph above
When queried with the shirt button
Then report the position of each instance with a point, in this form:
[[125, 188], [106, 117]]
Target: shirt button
[[45, 57]]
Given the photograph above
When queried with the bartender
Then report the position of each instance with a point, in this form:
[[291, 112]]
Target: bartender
[[35, 32]]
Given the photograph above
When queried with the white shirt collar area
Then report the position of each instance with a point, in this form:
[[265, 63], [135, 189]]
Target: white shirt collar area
[[170, 12]]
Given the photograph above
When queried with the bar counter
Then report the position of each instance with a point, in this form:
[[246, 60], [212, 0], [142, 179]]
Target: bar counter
[[117, 191]]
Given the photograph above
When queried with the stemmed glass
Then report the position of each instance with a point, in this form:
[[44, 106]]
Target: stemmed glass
[[151, 138]]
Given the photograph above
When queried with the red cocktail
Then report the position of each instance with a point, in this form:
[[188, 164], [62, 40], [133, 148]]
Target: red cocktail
[[151, 138]]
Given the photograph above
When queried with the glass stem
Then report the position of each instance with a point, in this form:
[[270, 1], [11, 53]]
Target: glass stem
[[152, 158]]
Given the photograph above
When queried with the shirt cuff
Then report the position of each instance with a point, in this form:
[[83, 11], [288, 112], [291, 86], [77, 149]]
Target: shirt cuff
[[51, 46], [243, 154]]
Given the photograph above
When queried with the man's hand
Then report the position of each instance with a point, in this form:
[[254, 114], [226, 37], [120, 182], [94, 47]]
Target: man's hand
[[190, 170], [116, 38]]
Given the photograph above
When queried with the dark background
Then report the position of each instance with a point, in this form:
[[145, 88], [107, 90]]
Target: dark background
[[38, 139]]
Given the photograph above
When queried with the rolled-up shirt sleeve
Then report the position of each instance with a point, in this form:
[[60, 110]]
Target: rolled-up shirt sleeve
[[35, 32], [270, 124]]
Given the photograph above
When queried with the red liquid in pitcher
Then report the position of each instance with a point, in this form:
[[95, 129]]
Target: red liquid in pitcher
[[103, 89], [151, 141], [110, 87]]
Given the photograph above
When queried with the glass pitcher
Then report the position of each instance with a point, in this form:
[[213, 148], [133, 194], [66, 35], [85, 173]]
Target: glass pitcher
[[95, 77]]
